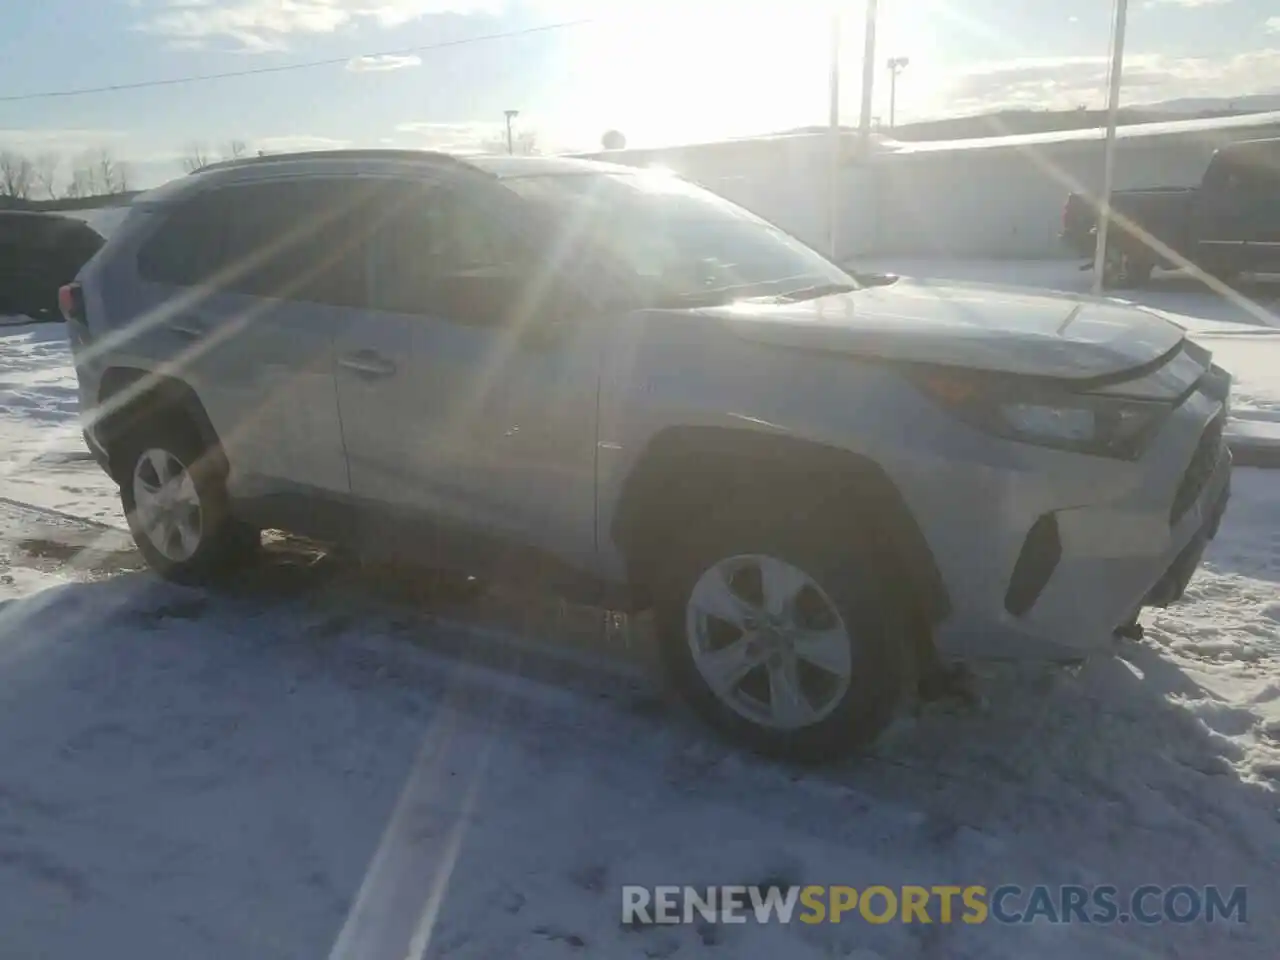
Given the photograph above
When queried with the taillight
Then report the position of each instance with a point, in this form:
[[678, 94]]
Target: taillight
[[71, 302]]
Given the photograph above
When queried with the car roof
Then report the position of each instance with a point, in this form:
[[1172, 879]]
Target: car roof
[[496, 165], [344, 162], [37, 225]]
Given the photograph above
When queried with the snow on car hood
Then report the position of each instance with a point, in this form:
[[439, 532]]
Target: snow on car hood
[[984, 328]]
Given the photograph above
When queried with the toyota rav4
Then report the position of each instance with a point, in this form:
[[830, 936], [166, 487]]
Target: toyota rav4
[[821, 483]]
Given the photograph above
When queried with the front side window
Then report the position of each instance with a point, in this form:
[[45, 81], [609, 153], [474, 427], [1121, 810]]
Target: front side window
[[682, 243], [445, 252]]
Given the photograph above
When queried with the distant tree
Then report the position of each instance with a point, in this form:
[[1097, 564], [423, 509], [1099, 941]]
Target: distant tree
[[234, 149], [523, 144], [195, 157], [45, 173], [17, 175], [113, 175], [613, 140], [81, 182], [123, 179]]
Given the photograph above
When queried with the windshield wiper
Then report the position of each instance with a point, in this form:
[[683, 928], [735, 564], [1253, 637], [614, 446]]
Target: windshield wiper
[[875, 279], [815, 291]]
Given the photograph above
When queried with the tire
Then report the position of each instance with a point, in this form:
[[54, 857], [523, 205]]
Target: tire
[[1124, 270], [204, 543], [1113, 273], [1138, 272], [843, 574], [1226, 275]]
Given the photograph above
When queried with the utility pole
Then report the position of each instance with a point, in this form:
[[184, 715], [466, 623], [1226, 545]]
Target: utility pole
[[896, 65], [833, 140], [510, 115], [1109, 155], [868, 75]]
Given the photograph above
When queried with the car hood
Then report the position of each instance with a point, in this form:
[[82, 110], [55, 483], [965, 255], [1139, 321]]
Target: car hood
[[981, 327]]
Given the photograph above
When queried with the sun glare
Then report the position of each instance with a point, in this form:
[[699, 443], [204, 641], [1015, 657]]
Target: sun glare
[[709, 69]]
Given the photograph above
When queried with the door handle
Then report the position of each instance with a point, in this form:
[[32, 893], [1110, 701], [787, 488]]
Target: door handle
[[191, 329], [368, 364]]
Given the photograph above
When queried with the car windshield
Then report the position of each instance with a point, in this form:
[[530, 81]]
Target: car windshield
[[685, 245]]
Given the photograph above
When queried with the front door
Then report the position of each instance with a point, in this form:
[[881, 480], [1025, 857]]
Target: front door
[[1263, 241], [1220, 212], [465, 401]]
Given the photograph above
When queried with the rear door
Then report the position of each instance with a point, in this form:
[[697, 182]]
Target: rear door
[[275, 276]]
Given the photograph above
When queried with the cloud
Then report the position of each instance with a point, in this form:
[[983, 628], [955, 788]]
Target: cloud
[[1186, 3], [382, 63], [1273, 25], [60, 139], [260, 26], [1064, 82]]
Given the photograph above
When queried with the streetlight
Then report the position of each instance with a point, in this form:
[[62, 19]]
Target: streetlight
[[510, 115], [896, 65]]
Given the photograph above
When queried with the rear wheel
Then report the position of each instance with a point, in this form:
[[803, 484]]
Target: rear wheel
[[1227, 275], [175, 500], [1125, 268], [786, 637], [1138, 270]]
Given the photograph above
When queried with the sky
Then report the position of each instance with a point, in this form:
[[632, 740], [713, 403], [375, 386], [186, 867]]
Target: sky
[[660, 71]]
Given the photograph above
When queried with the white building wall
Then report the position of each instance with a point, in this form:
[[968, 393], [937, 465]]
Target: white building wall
[[982, 198]]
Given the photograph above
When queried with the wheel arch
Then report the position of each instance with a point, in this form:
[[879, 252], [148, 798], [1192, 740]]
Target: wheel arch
[[684, 469], [128, 396]]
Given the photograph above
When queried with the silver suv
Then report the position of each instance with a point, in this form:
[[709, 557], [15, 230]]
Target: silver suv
[[823, 484]]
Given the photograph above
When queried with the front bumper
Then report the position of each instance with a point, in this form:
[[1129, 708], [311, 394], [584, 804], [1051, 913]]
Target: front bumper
[[1072, 548], [1170, 588]]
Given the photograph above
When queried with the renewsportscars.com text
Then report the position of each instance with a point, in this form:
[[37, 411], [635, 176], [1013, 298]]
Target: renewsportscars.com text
[[970, 904]]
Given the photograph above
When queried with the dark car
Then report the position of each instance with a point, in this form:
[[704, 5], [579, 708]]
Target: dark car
[[38, 253], [1228, 225]]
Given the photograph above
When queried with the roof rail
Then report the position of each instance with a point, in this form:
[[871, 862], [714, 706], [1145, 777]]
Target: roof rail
[[347, 154]]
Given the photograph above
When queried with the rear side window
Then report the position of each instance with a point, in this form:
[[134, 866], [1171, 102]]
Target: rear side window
[[296, 240], [187, 247]]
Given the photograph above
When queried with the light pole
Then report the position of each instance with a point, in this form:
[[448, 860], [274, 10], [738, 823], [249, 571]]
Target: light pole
[[868, 74], [510, 115], [1109, 153], [896, 65]]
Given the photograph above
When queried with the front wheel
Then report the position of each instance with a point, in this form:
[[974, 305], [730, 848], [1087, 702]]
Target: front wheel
[[787, 639], [176, 504]]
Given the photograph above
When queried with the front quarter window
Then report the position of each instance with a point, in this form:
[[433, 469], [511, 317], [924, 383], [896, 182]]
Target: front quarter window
[[681, 245]]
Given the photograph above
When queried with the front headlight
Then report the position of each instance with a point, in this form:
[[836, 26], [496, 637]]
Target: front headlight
[[1046, 414]]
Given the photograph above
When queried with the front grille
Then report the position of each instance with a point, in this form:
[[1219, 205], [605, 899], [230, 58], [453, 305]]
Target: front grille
[[1199, 470]]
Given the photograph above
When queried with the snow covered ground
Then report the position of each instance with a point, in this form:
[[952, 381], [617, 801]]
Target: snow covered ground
[[302, 765], [102, 219]]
